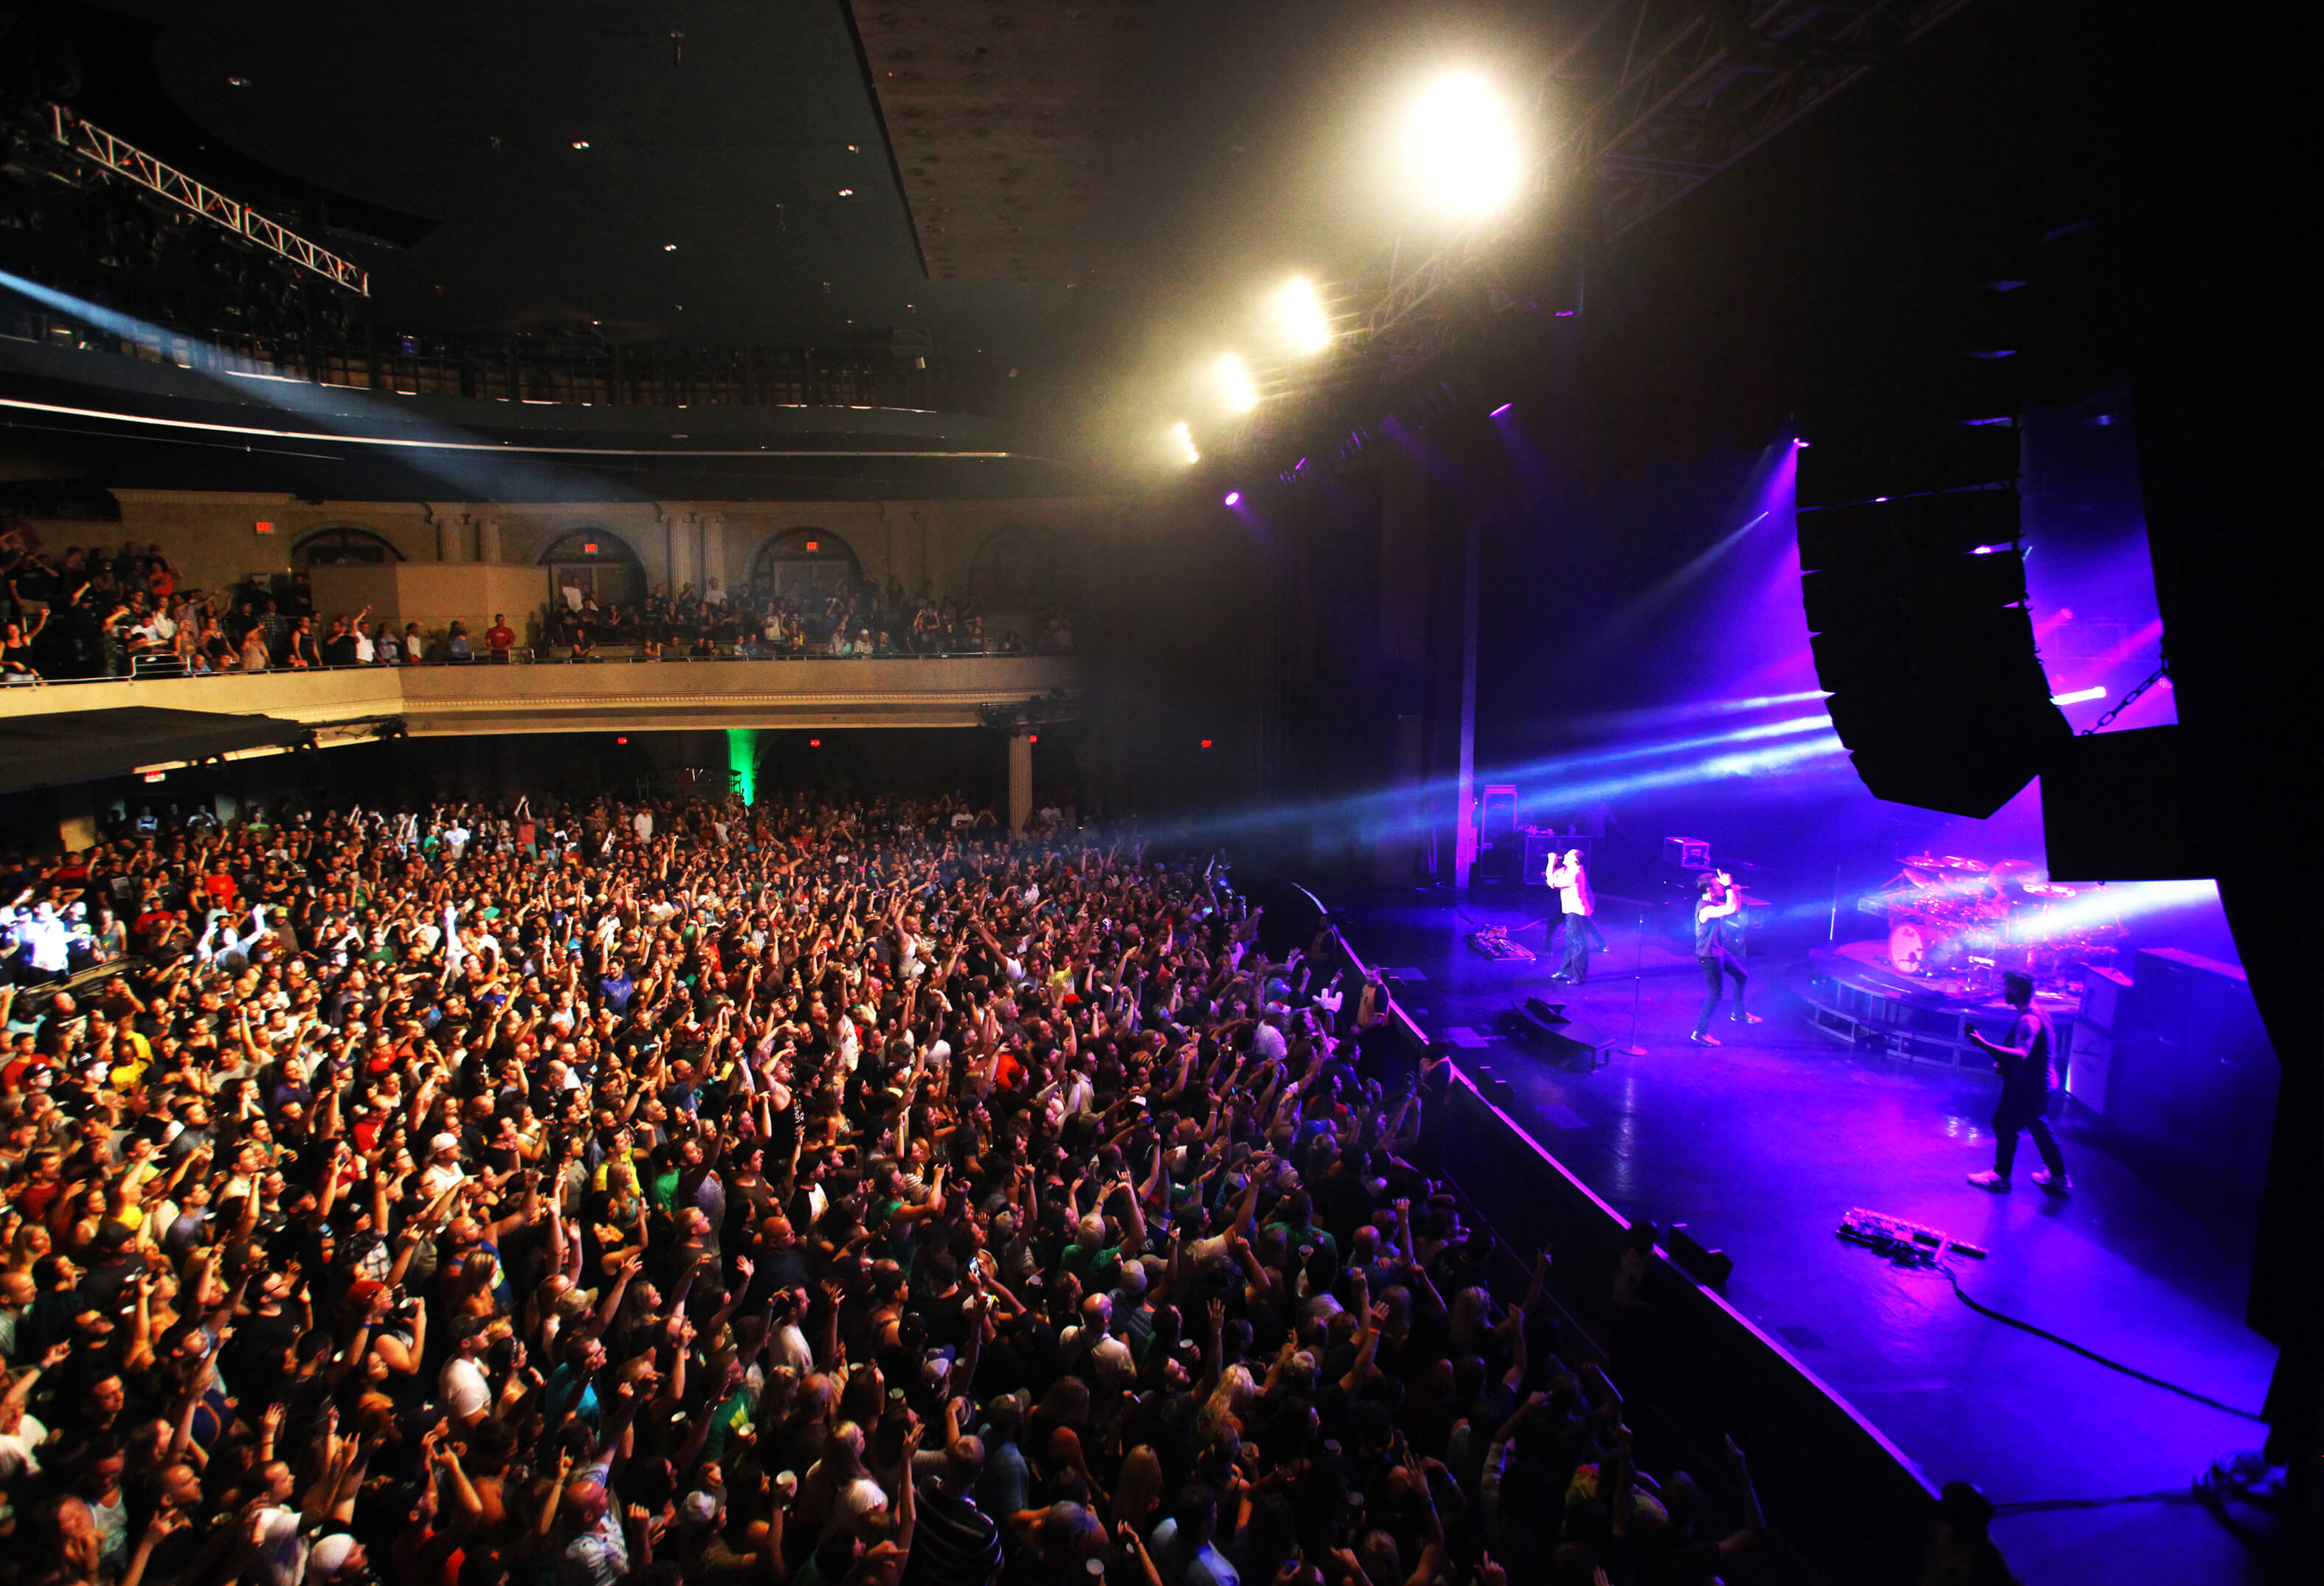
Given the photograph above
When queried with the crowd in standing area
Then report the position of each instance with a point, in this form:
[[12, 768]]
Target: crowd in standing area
[[830, 1195]]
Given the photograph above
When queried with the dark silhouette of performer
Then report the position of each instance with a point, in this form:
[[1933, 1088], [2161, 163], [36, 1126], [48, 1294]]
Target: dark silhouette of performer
[[1717, 899], [2027, 1078]]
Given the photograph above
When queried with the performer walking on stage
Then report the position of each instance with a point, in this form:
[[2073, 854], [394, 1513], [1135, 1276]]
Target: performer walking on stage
[[1717, 899], [2027, 1078], [1580, 906]]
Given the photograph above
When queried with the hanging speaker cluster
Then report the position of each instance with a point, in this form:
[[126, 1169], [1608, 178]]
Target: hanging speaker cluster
[[1913, 575]]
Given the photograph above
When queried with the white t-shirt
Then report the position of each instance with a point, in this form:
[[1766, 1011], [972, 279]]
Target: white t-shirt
[[20, 1450], [463, 1388], [283, 1547]]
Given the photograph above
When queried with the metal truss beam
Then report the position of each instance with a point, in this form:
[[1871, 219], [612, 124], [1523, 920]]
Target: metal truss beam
[[124, 159]]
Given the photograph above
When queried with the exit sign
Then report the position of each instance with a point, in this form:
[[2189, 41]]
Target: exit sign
[[263, 527]]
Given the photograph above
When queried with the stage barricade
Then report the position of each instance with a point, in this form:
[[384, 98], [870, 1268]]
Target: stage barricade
[[1844, 1500]]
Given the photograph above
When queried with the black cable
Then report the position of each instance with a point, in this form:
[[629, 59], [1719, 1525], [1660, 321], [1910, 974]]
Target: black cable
[[2089, 1354]]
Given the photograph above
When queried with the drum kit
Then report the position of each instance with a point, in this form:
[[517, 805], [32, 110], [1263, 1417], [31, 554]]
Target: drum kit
[[1964, 921]]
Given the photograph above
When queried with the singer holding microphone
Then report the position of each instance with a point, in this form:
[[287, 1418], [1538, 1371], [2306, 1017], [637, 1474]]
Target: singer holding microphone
[[1579, 906]]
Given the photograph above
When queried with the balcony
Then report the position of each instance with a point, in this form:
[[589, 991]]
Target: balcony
[[453, 701]]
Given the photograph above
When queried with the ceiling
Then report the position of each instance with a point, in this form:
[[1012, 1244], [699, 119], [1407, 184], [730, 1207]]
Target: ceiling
[[1034, 178], [1097, 191], [735, 185], [1003, 118]]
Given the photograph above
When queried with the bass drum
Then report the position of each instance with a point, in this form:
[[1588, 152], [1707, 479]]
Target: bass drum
[[1908, 948]]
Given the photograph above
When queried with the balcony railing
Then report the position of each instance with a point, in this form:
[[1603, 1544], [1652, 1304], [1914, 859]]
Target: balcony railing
[[483, 698]]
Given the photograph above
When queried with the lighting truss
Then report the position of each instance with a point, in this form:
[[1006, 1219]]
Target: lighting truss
[[124, 159], [1665, 95]]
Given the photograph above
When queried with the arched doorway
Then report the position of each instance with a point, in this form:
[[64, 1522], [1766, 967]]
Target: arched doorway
[[1022, 577], [343, 547], [804, 564], [592, 562]]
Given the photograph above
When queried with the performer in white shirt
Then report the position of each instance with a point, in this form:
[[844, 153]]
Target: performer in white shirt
[[1578, 905]]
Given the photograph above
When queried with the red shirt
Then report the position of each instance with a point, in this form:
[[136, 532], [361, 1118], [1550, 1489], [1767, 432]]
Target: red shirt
[[499, 638]]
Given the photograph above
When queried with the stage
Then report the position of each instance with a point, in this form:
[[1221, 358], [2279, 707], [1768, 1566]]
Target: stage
[[1760, 1145]]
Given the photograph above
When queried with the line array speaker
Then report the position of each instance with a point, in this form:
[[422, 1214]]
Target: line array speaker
[[1912, 575]]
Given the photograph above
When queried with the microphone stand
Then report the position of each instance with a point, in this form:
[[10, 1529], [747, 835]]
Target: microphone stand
[[1637, 984]]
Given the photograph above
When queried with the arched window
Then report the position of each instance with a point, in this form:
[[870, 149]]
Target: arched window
[[804, 563], [343, 547], [1024, 571], [590, 562]]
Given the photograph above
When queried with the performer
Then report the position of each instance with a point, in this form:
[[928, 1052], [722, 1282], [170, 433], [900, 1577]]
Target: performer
[[1717, 900], [1579, 906], [2027, 1078]]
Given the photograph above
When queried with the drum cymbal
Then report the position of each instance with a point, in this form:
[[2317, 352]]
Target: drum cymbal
[[2047, 889], [1942, 862]]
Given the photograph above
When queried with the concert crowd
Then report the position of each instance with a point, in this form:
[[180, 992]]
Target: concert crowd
[[831, 1195]]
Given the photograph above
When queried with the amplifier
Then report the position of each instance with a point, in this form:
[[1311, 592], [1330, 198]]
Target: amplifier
[[2090, 1053], [1686, 852], [1541, 847]]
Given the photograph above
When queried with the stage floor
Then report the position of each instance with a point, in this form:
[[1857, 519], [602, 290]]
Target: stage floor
[[1760, 1145]]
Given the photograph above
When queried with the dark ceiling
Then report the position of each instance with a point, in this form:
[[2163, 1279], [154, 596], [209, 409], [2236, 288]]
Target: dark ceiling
[[1065, 181], [1097, 191], [740, 131]]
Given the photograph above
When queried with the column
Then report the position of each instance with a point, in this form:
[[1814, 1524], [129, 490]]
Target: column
[[1402, 835], [1464, 842], [1021, 781], [451, 523], [713, 533], [488, 539], [677, 537]]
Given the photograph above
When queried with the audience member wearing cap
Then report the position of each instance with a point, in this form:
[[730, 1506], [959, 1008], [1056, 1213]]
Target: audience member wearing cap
[[842, 1193]]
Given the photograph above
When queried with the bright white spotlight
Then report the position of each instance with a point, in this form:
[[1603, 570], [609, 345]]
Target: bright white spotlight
[[1299, 317], [1235, 385], [1182, 444], [1461, 149]]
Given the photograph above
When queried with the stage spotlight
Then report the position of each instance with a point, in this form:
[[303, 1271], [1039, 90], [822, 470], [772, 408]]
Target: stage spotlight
[[1300, 319], [2079, 695], [1235, 385], [1504, 407], [1462, 153], [1233, 498], [1182, 444]]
